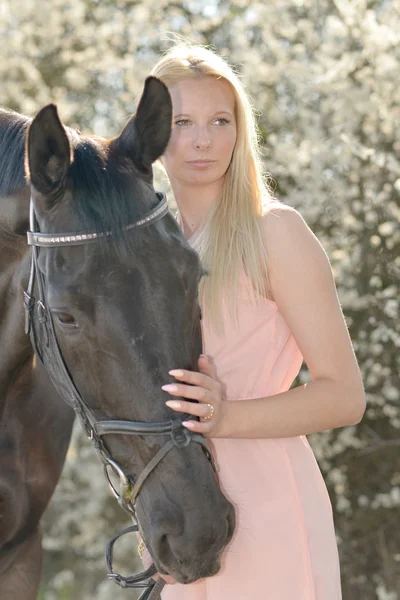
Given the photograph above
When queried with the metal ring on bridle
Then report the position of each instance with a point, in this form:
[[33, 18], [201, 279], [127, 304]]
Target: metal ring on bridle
[[124, 480]]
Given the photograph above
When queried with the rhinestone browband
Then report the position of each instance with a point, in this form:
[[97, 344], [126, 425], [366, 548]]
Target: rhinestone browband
[[58, 239]]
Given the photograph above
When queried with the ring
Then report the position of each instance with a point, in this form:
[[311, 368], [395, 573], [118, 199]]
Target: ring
[[210, 416], [141, 548]]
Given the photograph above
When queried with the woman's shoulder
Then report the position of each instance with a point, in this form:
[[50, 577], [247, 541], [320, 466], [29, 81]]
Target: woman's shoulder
[[273, 214], [277, 210], [293, 251], [281, 226]]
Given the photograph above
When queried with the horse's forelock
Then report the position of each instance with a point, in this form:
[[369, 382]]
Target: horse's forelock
[[104, 197]]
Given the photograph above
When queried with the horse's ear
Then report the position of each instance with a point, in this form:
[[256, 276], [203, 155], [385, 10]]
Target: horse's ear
[[48, 152], [146, 135]]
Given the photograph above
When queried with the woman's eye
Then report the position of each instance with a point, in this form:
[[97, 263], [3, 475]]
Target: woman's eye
[[65, 318], [221, 121], [182, 122]]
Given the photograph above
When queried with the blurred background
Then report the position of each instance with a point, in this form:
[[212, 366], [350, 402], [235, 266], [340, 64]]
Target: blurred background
[[324, 76]]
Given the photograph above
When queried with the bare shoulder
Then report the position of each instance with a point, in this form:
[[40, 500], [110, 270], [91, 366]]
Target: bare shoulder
[[284, 229], [303, 287], [288, 239]]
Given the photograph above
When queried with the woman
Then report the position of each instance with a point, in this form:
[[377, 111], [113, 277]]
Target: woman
[[269, 301]]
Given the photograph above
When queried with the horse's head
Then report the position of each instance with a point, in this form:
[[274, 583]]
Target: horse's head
[[125, 312]]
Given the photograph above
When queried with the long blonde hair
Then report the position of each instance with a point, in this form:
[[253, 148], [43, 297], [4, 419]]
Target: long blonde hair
[[230, 241]]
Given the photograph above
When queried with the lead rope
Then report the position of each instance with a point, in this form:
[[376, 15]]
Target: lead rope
[[153, 588]]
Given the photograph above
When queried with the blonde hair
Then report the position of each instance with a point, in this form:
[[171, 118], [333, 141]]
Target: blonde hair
[[230, 241]]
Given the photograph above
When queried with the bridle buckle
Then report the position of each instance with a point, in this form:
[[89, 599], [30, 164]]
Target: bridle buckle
[[179, 434]]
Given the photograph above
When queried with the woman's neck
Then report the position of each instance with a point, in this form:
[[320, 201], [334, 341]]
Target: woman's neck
[[194, 204]]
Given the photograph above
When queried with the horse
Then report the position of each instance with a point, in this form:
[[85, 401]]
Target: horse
[[111, 306]]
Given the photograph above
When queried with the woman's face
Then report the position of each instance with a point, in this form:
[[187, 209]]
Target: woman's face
[[203, 131]]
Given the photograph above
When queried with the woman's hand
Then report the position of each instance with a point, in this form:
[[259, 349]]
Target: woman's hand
[[204, 387]]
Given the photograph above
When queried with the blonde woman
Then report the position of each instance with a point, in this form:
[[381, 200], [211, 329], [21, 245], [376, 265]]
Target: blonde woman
[[268, 301]]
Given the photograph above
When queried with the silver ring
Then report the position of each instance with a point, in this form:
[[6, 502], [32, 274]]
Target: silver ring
[[124, 481], [210, 416]]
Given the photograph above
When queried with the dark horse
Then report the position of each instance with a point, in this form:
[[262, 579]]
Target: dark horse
[[124, 311]]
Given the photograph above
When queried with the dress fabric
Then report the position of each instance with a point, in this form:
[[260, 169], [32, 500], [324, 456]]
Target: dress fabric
[[284, 545]]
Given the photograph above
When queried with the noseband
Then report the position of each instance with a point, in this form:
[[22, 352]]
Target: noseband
[[39, 324]]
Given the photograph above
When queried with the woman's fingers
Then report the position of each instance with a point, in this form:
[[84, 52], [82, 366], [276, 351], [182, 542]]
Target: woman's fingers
[[195, 378], [203, 427], [207, 366], [186, 391], [203, 386]]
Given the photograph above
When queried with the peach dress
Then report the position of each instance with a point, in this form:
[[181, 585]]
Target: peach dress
[[284, 545]]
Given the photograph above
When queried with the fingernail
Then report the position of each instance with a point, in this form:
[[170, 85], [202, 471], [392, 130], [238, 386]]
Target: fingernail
[[170, 387], [176, 373], [188, 424], [204, 356], [173, 403]]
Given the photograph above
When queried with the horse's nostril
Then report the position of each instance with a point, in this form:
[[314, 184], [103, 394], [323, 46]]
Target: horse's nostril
[[163, 542]]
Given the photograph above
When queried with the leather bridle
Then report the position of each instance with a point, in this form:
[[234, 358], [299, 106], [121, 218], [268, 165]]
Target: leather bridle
[[39, 324]]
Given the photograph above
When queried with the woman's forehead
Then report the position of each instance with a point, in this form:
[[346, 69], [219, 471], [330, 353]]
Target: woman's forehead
[[203, 93]]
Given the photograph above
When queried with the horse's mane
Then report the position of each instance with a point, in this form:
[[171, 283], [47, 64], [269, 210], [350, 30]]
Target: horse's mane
[[103, 198], [13, 128]]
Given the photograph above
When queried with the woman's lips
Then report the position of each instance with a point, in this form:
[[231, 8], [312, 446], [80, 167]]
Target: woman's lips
[[200, 163]]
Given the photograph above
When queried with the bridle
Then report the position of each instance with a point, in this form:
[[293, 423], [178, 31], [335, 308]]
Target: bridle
[[39, 324]]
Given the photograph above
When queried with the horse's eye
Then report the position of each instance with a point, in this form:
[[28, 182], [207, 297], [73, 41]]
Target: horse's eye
[[66, 319]]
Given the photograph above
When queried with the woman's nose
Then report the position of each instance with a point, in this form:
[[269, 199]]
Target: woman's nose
[[202, 139]]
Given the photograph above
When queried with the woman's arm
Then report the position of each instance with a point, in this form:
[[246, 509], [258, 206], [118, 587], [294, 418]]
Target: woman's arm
[[303, 287]]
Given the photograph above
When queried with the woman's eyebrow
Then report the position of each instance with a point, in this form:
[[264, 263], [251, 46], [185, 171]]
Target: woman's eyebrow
[[226, 112], [217, 112]]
